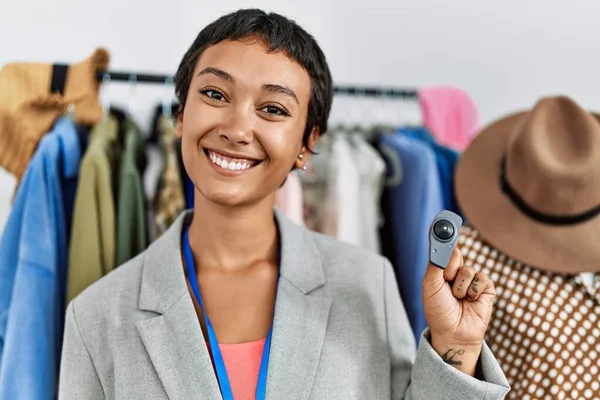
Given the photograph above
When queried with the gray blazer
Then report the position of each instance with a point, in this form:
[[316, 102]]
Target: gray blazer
[[340, 332]]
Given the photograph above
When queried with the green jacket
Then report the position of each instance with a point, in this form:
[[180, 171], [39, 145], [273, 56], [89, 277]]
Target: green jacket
[[132, 232], [92, 246]]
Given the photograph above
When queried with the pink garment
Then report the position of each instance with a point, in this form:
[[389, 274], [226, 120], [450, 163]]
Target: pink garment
[[242, 362], [289, 199], [450, 115]]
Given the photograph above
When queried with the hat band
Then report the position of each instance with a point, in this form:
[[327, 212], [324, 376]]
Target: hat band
[[537, 215], [59, 78]]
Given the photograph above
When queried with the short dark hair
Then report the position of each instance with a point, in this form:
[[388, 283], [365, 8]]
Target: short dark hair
[[278, 33]]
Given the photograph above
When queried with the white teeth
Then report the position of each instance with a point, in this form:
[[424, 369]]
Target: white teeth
[[231, 165]]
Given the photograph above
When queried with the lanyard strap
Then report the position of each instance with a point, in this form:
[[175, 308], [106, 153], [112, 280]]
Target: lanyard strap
[[222, 377]]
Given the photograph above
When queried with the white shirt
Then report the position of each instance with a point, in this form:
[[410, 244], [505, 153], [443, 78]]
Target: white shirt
[[7, 188], [342, 202], [372, 173]]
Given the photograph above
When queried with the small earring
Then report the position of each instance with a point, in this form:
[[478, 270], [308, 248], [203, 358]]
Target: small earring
[[304, 168], [301, 156]]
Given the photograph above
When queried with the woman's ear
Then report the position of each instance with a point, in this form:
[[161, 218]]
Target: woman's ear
[[314, 137], [304, 155]]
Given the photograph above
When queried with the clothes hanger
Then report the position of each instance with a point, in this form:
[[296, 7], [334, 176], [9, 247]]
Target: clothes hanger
[[81, 133], [338, 118], [357, 127], [386, 113], [360, 127], [346, 123], [105, 96], [70, 114], [121, 115], [394, 178], [111, 111], [131, 106], [395, 175], [166, 108], [167, 105]]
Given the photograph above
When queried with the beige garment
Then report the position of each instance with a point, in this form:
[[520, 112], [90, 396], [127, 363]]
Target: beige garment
[[92, 247], [545, 328], [170, 198], [28, 109], [151, 177]]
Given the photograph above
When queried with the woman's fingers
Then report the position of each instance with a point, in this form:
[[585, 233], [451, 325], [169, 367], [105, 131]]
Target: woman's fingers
[[478, 285], [462, 281]]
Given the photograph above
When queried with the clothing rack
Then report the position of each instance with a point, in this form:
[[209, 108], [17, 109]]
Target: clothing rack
[[366, 91]]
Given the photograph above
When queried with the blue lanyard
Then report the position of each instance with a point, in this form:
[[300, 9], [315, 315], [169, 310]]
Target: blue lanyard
[[222, 377]]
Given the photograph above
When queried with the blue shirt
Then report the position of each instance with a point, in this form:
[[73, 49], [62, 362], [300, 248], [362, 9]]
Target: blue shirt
[[411, 206], [33, 268], [446, 160], [70, 178]]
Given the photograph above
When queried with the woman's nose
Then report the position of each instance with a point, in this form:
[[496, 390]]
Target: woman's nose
[[238, 129]]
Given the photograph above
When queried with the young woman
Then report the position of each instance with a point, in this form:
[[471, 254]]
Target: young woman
[[235, 300]]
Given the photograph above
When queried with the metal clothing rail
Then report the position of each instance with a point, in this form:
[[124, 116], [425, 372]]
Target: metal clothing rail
[[366, 91]]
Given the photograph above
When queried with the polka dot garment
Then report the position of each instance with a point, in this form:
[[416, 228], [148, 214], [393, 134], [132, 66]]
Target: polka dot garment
[[545, 329]]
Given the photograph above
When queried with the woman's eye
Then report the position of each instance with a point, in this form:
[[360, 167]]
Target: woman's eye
[[214, 94], [274, 110]]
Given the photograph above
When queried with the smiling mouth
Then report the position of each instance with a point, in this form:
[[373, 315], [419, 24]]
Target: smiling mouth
[[230, 164]]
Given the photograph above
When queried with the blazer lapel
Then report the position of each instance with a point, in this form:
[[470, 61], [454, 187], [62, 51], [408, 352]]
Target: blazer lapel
[[173, 338], [176, 347], [301, 314]]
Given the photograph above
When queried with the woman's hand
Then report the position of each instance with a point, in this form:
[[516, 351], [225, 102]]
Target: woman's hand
[[458, 306]]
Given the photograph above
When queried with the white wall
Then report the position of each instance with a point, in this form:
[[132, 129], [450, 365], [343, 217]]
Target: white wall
[[506, 53]]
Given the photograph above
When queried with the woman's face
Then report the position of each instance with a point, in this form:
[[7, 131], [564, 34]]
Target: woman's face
[[243, 122]]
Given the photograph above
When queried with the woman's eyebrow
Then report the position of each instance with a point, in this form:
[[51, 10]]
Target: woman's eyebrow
[[281, 89], [217, 72]]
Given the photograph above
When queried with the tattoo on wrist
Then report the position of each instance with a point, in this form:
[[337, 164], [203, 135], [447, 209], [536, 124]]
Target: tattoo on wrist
[[448, 357]]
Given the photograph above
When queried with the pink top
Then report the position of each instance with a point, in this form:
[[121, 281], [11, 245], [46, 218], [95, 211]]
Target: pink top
[[450, 114], [288, 199], [242, 362]]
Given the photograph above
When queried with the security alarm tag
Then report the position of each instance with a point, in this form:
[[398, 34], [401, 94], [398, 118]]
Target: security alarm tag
[[443, 236]]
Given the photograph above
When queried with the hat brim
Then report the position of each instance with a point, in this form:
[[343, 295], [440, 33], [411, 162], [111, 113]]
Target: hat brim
[[566, 249]]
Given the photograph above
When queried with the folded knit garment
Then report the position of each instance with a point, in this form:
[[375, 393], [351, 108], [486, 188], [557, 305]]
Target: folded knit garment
[[34, 95]]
